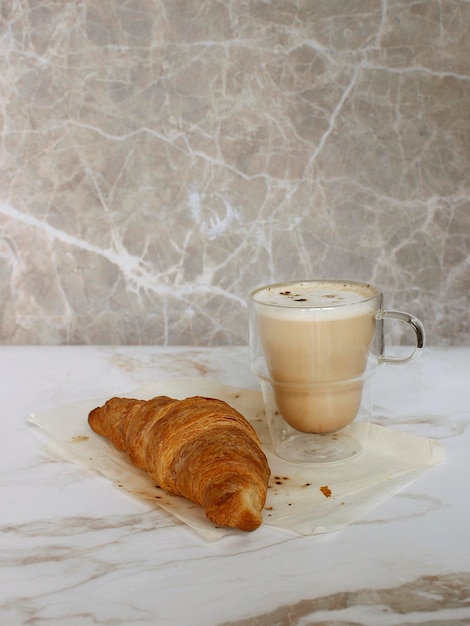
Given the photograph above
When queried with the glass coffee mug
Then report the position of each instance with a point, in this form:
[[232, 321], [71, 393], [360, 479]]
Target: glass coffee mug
[[315, 346]]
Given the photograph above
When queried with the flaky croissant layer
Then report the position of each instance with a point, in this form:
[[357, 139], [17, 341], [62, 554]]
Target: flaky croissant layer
[[199, 448]]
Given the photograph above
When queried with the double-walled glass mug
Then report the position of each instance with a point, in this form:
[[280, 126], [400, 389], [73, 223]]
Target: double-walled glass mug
[[315, 346]]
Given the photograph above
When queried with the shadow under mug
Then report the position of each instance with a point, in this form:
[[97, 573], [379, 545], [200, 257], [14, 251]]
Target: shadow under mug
[[315, 346]]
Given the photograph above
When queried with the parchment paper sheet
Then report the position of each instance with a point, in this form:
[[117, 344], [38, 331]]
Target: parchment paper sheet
[[391, 459]]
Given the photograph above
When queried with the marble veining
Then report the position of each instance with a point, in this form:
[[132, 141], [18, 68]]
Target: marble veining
[[161, 159], [432, 599]]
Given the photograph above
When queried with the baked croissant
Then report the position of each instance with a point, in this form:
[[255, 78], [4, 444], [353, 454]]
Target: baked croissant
[[199, 448]]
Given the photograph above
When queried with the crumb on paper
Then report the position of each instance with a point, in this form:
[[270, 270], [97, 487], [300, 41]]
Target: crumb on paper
[[326, 491], [279, 480], [78, 438]]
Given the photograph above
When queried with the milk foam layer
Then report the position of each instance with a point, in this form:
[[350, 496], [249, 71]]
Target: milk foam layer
[[307, 299]]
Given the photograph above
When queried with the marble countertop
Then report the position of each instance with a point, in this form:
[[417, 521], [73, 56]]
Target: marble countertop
[[75, 550]]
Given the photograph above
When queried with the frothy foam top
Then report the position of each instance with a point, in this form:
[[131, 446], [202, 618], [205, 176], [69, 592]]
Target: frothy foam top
[[316, 295]]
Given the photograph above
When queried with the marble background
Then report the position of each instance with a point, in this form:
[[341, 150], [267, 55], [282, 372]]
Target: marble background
[[161, 158]]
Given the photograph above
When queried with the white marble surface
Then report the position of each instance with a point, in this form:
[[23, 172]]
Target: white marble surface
[[76, 551]]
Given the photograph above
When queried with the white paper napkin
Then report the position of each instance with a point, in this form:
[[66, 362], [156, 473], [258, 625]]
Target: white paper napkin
[[305, 499]]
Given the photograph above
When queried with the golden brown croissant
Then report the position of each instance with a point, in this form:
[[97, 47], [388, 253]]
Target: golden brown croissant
[[199, 448]]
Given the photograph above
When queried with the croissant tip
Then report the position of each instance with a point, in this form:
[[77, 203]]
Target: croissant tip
[[239, 509], [245, 521], [250, 524]]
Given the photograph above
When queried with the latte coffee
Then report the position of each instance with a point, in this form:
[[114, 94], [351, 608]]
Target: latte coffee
[[316, 337], [315, 346]]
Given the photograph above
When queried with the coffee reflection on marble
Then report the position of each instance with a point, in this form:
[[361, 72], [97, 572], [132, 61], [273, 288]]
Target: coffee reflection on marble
[[160, 160]]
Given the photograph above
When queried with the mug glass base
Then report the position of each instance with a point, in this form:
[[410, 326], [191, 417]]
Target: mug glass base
[[306, 448], [321, 449]]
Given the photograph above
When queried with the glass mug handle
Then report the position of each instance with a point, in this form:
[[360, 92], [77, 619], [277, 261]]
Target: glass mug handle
[[407, 319]]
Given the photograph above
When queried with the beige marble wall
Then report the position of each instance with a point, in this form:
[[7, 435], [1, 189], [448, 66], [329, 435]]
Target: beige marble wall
[[160, 158]]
